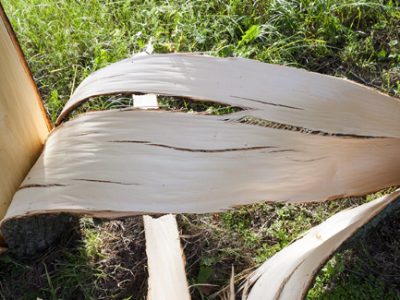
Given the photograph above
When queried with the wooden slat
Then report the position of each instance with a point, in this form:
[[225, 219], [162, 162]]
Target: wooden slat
[[165, 260], [23, 122]]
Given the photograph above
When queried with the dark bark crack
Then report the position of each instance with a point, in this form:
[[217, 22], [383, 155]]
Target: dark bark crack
[[283, 150], [27, 186], [196, 150], [104, 181], [267, 103], [251, 120]]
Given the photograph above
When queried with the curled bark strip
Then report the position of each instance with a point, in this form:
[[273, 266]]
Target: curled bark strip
[[269, 92], [194, 164], [290, 272]]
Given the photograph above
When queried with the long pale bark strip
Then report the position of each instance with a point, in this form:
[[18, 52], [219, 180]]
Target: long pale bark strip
[[165, 259], [289, 273], [271, 92], [111, 163], [23, 122]]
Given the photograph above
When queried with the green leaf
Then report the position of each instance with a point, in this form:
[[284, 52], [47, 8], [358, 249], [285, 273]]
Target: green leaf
[[382, 53], [250, 35]]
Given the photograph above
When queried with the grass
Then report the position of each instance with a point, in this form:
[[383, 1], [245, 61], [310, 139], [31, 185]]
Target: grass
[[64, 41]]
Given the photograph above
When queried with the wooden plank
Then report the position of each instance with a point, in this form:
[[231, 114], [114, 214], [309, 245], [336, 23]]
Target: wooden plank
[[23, 122], [165, 260]]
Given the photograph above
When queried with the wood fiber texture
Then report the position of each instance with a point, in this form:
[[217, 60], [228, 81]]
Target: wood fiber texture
[[167, 277], [119, 163], [23, 123], [270, 92]]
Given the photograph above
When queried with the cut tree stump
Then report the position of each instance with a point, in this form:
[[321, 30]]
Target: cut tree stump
[[32, 235]]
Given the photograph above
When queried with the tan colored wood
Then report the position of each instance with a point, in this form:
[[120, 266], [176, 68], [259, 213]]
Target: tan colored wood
[[165, 260], [288, 274], [112, 163], [23, 123], [270, 92]]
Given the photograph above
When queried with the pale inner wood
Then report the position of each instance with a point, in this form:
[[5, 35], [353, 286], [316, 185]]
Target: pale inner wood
[[23, 125]]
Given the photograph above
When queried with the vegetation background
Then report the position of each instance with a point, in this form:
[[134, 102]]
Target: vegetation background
[[64, 41]]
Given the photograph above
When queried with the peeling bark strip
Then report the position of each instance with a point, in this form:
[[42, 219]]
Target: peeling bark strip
[[290, 272], [300, 98], [200, 150], [185, 181], [167, 277]]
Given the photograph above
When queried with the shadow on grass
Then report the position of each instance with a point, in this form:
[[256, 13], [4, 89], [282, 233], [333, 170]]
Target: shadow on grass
[[246, 237], [94, 260], [106, 259], [368, 269]]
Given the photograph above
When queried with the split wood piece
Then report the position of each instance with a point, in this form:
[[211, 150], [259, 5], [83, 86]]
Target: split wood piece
[[269, 92], [165, 259], [290, 272], [147, 101], [23, 122], [110, 163]]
